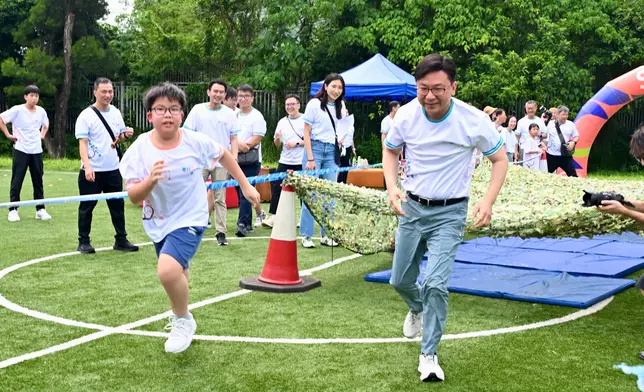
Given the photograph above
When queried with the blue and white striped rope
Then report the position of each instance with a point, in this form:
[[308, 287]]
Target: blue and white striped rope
[[215, 185]]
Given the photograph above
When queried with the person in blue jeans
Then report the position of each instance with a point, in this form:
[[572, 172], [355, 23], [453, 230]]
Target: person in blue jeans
[[440, 134], [320, 142]]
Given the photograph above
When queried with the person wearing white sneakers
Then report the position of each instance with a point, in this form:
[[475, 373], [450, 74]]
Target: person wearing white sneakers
[[439, 133], [29, 127], [289, 136], [322, 150], [162, 169]]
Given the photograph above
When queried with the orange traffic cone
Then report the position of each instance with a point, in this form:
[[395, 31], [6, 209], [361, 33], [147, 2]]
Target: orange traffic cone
[[280, 273]]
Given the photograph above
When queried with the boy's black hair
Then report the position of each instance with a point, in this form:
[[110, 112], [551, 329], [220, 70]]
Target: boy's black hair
[[219, 81], [164, 90], [231, 93], [247, 88], [297, 98], [32, 88]]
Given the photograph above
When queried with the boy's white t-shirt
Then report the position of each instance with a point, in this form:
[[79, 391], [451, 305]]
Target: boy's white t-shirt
[[320, 122], [26, 127], [385, 124], [439, 152], [102, 156], [251, 124], [291, 132], [180, 199], [218, 124]]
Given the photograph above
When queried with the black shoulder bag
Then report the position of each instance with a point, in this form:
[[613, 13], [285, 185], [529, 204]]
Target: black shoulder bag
[[337, 148], [115, 143], [564, 145]]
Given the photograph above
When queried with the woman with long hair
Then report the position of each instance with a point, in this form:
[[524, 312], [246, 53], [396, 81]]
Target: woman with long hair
[[320, 143]]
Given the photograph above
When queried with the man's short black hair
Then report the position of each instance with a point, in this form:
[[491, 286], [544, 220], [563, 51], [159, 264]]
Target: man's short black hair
[[32, 89], [434, 63], [101, 80], [231, 93], [297, 98], [393, 104], [247, 88], [219, 81], [164, 90]]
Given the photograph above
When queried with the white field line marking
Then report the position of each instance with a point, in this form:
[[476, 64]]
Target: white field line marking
[[466, 335], [105, 330]]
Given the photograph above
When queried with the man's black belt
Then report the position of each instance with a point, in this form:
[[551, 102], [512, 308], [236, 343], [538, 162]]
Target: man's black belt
[[434, 203]]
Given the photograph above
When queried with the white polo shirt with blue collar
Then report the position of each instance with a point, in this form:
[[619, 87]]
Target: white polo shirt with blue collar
[[438, 152]]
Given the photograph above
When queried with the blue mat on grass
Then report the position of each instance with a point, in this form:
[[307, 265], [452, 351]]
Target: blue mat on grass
[[546, 287], [575, 272]]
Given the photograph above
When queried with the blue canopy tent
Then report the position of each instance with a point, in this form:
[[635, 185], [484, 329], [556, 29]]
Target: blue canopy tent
[[375, 78]]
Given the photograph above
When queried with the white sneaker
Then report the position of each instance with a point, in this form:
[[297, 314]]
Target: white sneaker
[[269, 222], [259, 218], [13, 216], [429, 368], [307, 242], [326, 241], [42, 215], [413, 324], [181, 332]]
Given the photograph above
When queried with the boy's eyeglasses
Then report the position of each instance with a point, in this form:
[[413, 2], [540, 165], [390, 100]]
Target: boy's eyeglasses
[[160, 110], [244, 96]]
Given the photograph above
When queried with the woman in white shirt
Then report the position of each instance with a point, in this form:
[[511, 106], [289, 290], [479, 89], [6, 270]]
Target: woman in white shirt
[[511, 144], [321, 142]]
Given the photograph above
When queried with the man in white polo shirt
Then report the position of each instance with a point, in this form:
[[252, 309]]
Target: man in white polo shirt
[[570, 136], [386, 122], [29, 126], [523, 125], [220, 123], [100, 164], [439, 133]]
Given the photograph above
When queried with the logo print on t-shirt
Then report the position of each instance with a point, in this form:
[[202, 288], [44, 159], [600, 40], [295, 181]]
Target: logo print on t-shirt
[[148, 211]]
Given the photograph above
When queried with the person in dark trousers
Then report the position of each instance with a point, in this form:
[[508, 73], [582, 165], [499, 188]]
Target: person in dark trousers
[[289, 136], [568, 132], [98, 129], [29, 126]]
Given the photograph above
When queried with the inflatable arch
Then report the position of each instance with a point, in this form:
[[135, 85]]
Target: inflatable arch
[[594, 114]]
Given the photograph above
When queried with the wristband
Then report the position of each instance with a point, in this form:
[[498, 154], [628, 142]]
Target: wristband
[[311, 160]]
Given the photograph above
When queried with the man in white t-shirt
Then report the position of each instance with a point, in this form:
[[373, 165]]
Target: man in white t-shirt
[[439, 133], [220, 123], [570, 136], [385, 125], [523, 124], [289, 136], [100, 164], [249, 140], [29, 125]]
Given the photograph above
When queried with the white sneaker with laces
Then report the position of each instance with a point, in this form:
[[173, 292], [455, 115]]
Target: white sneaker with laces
[[42, 215], [181, 332], [269, 222], [13, 216], [413, 324], [326, 241], [259, 218], [429, 368], [307, 242]]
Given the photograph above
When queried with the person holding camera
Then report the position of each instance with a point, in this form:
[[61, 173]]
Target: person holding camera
[[562, 139], [636, 212]]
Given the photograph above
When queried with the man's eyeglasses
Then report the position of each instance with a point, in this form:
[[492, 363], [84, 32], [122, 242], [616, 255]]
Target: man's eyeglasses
[[290, 105], [437, 91], [244, 96], [160, 110]]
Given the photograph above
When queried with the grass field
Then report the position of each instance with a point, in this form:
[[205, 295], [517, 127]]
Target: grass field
[[114, 289]]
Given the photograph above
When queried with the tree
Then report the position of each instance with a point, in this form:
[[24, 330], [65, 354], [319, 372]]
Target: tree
[[50, 31]]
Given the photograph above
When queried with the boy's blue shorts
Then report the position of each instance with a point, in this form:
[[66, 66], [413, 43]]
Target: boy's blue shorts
[[181, 244]]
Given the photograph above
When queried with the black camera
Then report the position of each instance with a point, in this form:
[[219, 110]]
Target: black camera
[[593, 199], [546, 112]]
